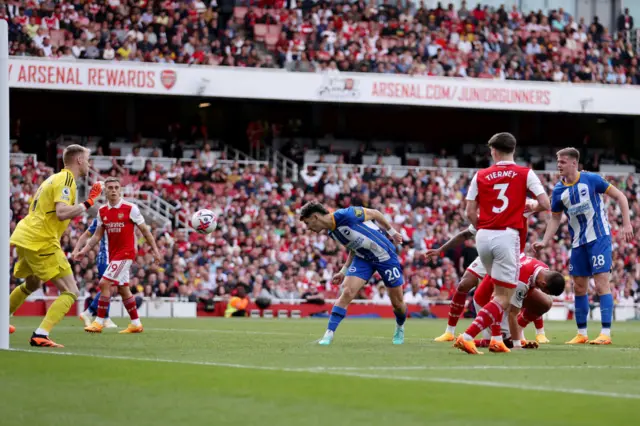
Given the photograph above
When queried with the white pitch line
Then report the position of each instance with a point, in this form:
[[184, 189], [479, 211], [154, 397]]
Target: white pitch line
[[487, 367], [325, 370]]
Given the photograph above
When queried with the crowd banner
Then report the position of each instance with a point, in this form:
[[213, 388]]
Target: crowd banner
[[370, 88]]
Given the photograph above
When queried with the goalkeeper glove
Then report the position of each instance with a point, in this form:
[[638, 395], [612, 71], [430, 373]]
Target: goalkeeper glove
[[94, 193]]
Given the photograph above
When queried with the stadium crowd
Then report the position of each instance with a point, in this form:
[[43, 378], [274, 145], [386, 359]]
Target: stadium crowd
[[260, 243], [363, 36]]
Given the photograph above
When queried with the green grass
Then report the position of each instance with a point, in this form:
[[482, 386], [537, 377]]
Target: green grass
[[271, 372]]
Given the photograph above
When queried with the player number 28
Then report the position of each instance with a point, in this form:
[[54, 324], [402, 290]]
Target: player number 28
[[502, 188], [598, 261], [392, 274]]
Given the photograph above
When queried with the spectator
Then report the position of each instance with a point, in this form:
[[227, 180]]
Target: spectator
[[625, 21], [380, 297]]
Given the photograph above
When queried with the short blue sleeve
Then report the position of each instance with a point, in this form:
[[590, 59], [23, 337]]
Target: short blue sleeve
[[599, 183], [343, 216], [557, 206], [93, 226]]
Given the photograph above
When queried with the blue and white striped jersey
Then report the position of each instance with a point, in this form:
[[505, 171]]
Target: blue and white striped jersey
[[582, 202], [363, 237], [103, 253]]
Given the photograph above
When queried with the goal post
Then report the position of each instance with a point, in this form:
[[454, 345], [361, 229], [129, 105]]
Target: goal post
[[4, 185]]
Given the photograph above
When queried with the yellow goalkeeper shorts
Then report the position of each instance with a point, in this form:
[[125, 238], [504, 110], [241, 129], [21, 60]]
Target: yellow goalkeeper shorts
[[44, 264]]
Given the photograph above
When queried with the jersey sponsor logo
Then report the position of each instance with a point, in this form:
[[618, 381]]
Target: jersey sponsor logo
[[581, 208]]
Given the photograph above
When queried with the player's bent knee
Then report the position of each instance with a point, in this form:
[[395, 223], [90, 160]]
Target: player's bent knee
[[32, 283], [125, 291], [468, 282]]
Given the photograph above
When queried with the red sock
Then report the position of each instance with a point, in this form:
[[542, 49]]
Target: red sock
[[539, 323], [496, 329], [492, 312], [456, 308], [483, 343], [130, 306], [103, 306]]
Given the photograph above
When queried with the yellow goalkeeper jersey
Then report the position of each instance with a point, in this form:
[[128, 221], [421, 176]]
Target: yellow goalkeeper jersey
[[41, 229]]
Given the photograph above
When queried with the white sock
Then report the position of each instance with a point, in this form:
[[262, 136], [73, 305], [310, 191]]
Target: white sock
[[540, 330], [496, 338], [136, 322], [466, 337], [400, 326], [582, 331], [606, 332], [100, 320], [517, 343], [451, 330], [88, 313], [42, 332]]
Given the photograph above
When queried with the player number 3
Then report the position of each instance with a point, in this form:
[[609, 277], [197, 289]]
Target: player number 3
[[598, 261], [502, 188], [392, 274]]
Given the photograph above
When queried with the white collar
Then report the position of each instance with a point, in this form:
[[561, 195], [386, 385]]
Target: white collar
[[117, 206], [504, 163]]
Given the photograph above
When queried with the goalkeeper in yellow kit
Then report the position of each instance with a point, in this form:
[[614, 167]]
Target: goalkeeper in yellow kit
[[37, 241]]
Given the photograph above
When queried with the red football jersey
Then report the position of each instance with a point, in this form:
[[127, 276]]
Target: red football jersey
[[119, 224], [529, 268], [501, 192]]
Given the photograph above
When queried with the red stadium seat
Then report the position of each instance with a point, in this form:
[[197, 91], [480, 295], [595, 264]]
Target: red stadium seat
[[239, 12], [274, 29], [271, 40], [259, 32]]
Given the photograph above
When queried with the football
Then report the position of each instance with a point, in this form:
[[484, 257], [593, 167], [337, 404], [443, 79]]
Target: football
[[203, 221]]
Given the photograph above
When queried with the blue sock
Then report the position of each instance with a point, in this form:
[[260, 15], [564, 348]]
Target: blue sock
[[401, 317], [582, 311], [93, 307], [337, 315], [606, 310]]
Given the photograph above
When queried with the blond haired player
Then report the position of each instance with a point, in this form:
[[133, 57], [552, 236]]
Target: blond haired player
[[118, 220], [37, 241]]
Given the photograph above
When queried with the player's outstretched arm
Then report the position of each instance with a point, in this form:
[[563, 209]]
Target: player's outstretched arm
[[146, 233], [339, 277], [552, 228], [65, 211], [382, 221], [95, 239], [81, 242], [455, 241], [622, 201], [514, 327]]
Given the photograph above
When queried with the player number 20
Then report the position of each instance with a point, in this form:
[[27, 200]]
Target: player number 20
[[392, 274], [598, 261], [502, 188]]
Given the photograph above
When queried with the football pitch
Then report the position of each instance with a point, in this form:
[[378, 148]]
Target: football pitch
[[270, 372]]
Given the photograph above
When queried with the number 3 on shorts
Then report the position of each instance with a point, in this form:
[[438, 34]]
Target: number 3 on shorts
[[392, 274], [502, 187]]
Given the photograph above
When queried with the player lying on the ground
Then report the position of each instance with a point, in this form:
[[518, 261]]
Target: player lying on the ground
[[118, 219], [580, 196], [37, 241], [536, 282], [534, 277], [474, 274], [102, 259], [369, 251]]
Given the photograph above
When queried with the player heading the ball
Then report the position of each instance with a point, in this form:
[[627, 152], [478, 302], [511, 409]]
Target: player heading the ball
[[370, 250]]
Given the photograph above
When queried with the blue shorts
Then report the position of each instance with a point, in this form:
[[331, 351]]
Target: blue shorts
[[102, 267], [390, 271], [591, 258]]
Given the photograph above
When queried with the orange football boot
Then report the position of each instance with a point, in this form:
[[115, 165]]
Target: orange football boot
[[95, 327], [580, 339], [602, 339], [498, 347], [43, 341], [467, 346], [132, 329]]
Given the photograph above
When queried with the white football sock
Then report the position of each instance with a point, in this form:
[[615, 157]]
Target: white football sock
[[42, 332], [451, 330]]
